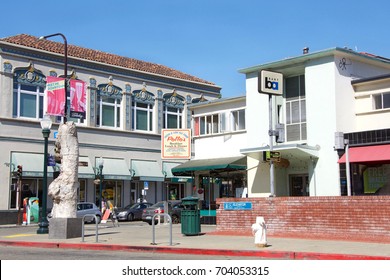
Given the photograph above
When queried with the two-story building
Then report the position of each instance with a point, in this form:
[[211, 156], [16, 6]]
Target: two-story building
[[128, 101], [325, 93]]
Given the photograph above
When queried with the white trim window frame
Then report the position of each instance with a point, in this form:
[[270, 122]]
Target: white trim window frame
[[33, 95], [109, 112], [142, 112], [381, 101]]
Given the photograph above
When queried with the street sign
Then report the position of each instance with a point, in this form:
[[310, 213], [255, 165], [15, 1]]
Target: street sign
[[146, 185], [275, 156], [270, 82]]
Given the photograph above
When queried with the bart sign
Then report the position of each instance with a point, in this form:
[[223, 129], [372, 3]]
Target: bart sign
[[270, 82], [176, 144]]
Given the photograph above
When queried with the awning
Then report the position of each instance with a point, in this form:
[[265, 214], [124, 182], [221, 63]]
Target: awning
[[299, 151], [31, 163], [85, 168], [369, 154], [145, 170], [114, 169], [167, 170], [214, 164]]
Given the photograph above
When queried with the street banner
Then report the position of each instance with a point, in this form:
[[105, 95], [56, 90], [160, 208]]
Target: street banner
[[55, 96], [78, 91], [176, 144]]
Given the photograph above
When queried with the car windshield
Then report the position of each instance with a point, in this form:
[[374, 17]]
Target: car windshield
[[158, 204], [134, 206]]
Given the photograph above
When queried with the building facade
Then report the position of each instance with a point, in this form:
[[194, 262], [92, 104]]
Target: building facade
[[325, 93], [128, 103]]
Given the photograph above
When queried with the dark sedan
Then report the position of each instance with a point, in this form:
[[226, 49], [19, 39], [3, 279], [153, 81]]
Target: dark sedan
[[132, 212]]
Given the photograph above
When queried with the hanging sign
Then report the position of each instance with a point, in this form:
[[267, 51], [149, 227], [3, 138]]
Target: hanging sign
[[55, 96], [78, 91], [176, 144], [270, 82]]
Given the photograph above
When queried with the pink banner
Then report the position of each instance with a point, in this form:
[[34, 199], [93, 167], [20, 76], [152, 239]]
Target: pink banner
[[78, 91], [55, 93]]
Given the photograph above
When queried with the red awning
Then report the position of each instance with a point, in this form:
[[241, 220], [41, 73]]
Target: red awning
[[378, 153]]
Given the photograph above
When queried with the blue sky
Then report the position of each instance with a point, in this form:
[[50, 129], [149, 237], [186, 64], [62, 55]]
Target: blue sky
[[211, 39]]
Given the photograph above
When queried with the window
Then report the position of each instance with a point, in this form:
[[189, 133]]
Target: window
[[142, 110], [109, 112], [296, 108], [381, 101], [206, 125], [109, 106], [142, 116], [238, 120], [173, 110], [28, 92]]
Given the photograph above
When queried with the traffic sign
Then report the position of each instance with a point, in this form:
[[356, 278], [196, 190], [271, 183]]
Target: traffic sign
[[275, 156]]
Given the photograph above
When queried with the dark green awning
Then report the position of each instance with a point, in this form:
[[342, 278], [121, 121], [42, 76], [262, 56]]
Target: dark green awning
[[214, 164]]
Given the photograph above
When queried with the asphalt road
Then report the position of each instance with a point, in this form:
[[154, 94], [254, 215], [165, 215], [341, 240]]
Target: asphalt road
[[32, 253]]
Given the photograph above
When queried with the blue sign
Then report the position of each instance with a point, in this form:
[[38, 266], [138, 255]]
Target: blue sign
[[146, 185], [51, 161], [237, 206], [55, 134]]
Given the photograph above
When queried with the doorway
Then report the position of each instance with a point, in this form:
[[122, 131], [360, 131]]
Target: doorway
[[299, 185]]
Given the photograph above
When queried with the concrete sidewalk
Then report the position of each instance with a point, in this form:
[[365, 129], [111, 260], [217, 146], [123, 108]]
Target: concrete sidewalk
[[130, 236]]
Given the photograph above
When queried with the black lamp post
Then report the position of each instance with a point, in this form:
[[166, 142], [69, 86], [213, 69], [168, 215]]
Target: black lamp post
[[65, 65], [43, 223], [100, 163]]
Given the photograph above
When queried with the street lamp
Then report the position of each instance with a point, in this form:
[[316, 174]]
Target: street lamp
[[65, 64], [44, 224], [100, 163]]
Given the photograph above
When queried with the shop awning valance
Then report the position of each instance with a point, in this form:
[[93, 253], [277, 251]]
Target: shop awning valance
[[114, 169], [145, 170], [369, 154], [214, 164]]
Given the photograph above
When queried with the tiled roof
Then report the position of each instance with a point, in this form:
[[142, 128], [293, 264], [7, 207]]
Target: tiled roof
[[102, 57]]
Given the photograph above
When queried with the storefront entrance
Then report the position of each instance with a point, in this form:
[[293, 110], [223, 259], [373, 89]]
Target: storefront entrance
[[299, 185]]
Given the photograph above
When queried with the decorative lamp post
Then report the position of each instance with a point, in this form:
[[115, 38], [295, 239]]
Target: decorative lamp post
[[100, 163], [65, 65], [43, 223]]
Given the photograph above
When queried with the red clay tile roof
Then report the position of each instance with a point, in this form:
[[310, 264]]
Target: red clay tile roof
[[99, 56]]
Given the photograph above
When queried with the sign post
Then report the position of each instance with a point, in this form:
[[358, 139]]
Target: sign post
[[270, 83]]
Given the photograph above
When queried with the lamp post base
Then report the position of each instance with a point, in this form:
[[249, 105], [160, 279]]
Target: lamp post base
[[43, 228]]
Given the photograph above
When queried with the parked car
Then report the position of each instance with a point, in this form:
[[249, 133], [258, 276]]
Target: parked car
[[149, 212], [132, 212], [84, 208]]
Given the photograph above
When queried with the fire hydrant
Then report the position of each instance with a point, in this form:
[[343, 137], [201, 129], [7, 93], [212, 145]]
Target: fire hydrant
[[259, 230]]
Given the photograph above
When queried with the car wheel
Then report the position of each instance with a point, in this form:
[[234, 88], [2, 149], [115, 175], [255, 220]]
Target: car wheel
[[130, 217], [175, 219], [99, 219]]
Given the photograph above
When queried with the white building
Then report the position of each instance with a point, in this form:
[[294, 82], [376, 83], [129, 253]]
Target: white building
[[324, 92], [129, 102]]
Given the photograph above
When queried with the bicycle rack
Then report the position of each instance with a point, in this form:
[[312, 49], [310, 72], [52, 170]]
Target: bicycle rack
[[83, 224], [170, 228]]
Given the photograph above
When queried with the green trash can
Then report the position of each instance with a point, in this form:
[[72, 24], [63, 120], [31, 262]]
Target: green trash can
[[190, 216]]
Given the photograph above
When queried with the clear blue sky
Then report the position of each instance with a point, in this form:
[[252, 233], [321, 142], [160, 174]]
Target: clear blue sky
[[210, 39]]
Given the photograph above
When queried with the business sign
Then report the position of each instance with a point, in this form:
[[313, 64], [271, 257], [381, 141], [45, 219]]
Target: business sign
[[270, 82], [55, 96], [237, 206], [78, 102], [176, 144]]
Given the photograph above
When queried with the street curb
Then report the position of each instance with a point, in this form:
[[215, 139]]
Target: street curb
[[267, 254]]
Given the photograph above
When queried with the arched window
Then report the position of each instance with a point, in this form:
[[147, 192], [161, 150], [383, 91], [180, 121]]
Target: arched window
[[28, 91], [173, 110], [109, 106], [142, 110]]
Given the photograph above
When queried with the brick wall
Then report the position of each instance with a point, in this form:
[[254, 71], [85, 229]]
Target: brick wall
[[359, 218]]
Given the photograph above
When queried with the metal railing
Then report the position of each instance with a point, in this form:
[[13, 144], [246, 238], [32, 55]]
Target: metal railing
[[83, 224], [170, 227]]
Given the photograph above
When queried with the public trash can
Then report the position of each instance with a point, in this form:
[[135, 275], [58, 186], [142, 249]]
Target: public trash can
[[190, 216]]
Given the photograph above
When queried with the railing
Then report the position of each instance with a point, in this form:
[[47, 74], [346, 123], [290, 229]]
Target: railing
[[83, 224], [170, 228]]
